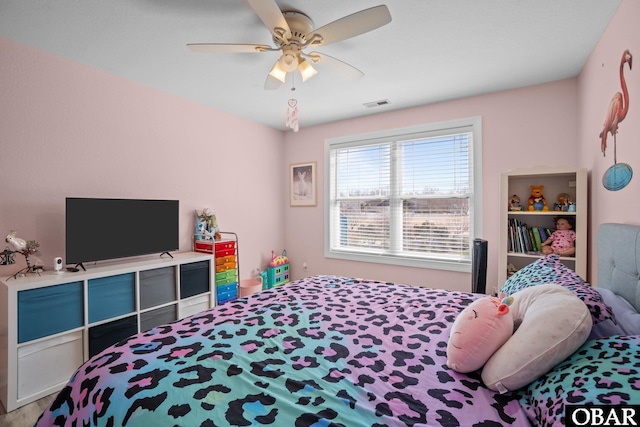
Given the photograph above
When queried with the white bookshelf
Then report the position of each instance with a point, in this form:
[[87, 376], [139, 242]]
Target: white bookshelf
[[556, 180]]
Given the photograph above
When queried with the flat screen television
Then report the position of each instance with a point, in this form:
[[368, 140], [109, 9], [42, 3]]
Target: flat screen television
[[105, 229]]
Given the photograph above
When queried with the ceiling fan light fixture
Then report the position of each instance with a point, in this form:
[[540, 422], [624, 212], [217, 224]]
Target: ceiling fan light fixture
[[306, 70], [288, 61], [278, 73]]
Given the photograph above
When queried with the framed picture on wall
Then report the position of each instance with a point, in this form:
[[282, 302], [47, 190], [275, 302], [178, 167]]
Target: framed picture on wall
[[302, 184]]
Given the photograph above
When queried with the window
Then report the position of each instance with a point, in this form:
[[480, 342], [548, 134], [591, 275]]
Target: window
[[406, 196]]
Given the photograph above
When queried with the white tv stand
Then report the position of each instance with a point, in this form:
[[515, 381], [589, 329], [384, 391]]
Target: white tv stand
[[53, 322]]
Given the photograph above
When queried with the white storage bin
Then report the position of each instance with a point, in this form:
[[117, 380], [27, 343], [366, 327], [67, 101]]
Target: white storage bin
[[48, 363], [194, 305]]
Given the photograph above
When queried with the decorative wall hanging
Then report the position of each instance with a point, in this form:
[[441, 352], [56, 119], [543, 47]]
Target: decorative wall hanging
[[302, 184], [292, 114], [619, 175]]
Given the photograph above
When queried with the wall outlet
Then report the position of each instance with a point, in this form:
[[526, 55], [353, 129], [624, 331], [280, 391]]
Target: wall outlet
[[305, 267]]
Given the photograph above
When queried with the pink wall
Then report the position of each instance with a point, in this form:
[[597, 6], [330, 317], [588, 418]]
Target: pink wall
[[597, 83], [73, 130], [70, 130], [521, 128]]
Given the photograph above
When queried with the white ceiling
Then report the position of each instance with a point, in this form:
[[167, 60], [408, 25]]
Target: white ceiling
[[432, 51]]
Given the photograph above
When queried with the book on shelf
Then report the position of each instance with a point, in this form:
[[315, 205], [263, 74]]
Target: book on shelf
[[538, 238], [543, 234], [525, 239], [532, 237]]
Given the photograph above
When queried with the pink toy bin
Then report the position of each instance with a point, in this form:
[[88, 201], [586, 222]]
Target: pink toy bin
[[250, 286]]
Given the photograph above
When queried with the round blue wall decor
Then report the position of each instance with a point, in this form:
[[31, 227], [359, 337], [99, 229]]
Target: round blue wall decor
[[617, 177]]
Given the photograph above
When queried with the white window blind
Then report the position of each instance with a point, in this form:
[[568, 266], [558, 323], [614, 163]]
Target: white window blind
[[404, 196]]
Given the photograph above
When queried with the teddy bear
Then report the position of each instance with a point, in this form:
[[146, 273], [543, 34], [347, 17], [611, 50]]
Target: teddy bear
[[537, 202]]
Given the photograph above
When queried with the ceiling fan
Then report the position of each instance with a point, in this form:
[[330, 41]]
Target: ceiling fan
[[293, 32]]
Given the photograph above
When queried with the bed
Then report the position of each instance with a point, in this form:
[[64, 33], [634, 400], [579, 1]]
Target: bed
[[339, 351]]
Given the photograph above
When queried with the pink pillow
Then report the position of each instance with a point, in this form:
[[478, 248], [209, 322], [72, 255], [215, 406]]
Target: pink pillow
[[478, 331]]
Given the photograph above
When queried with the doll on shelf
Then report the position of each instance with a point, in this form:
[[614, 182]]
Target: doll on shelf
[[562, 241]]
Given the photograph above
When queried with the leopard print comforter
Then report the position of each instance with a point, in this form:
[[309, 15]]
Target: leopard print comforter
[[322, 351]]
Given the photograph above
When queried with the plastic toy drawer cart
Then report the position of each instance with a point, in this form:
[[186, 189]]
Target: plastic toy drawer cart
[[227, 264]]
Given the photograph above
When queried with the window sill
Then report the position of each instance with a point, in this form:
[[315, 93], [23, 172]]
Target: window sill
[[430, 263]]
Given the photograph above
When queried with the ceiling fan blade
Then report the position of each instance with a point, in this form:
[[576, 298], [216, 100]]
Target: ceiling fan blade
[[341, 67], [227, 48], [272, 83], [271, 15], [353, 25]]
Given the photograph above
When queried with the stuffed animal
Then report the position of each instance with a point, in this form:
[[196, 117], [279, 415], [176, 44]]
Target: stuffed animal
[[563, 202], [514, 203], [207, 225], [537, 202], [478, 331]]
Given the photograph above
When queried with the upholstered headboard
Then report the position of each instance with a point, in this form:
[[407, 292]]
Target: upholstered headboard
[[619, 260]]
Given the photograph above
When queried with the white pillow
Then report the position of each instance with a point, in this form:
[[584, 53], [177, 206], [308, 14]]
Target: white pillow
[[553, 324]]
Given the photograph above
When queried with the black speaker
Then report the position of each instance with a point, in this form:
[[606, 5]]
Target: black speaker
[[479, 267]]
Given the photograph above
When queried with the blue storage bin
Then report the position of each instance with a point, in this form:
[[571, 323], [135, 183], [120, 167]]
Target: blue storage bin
[[111, 296], [107, 334], [50, 310], [194, 279]]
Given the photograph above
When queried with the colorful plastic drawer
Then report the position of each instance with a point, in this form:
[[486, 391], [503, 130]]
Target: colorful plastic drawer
[[228, 276], [225, 267], [225, 252], [226, 281], [227, 293], [225, 245], [226, 300], [227, 288], [205, 246], [225, 260]]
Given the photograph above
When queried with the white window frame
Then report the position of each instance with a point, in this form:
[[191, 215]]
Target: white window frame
[[469, 124]]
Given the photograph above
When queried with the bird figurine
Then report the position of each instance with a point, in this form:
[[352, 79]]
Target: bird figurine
[[618, 107], [18, 244]]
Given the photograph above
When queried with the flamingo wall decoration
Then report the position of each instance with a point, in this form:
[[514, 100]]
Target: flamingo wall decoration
[[619, 175], [618, 107]]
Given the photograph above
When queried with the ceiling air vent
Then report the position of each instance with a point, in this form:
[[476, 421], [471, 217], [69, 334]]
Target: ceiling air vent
[[377, 103]]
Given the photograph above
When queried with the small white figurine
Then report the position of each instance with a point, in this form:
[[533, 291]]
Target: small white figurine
[[16, 243]]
